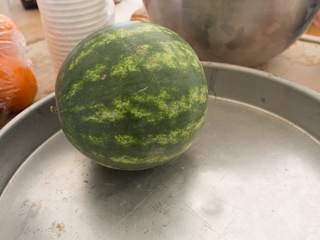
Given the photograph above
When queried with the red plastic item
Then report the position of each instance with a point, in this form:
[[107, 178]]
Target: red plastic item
[[317, 20]]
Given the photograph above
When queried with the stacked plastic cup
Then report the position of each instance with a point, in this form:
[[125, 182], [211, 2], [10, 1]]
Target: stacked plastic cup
[[67, 22]]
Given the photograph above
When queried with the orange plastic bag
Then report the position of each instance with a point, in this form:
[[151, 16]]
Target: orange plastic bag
[[18, 85], [12, 42]]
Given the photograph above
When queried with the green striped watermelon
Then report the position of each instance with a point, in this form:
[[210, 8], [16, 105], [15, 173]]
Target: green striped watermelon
[[132, 96]]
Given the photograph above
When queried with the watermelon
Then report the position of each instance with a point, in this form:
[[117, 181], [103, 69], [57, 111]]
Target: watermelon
[[132, 96]]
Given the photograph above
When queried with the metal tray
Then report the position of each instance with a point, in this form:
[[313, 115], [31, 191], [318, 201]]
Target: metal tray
[[254, 173]]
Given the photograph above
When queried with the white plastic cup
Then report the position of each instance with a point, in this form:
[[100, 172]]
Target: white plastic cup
[[67, 22]]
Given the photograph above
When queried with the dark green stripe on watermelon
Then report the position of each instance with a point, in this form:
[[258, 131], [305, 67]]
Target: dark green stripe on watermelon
[[132, 96]]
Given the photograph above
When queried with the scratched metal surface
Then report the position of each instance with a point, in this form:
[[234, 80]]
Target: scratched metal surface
[[254, 173]]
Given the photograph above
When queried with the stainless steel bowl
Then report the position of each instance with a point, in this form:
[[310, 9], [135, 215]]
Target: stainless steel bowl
[[242, 32]]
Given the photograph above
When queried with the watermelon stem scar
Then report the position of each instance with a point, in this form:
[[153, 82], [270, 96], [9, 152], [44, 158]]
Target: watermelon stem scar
[[54, 109]]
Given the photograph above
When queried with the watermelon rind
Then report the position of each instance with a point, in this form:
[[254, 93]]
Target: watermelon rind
[[132, 96]]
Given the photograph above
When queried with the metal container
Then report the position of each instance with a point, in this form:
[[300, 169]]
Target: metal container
[[242, 32], [254, 173]]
